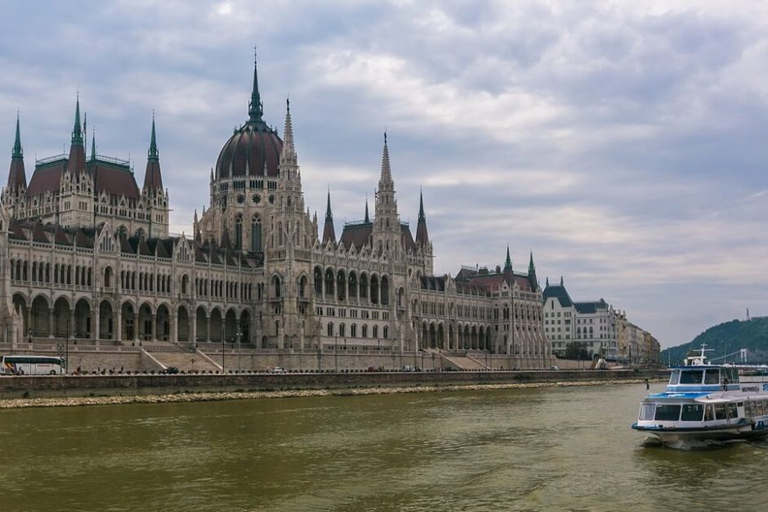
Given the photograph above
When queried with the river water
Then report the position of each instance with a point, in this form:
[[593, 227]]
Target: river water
[[562, 449]]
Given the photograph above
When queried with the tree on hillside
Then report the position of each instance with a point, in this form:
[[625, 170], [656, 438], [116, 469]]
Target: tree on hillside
[[725, 341]]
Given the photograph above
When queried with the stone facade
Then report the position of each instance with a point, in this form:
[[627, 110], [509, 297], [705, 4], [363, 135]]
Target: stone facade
[[603, 330], [87, 256]]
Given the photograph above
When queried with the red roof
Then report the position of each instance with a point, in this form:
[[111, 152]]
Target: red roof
[[46, 178]]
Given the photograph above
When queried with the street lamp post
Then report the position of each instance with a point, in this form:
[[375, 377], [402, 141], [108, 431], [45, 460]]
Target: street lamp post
[[66, 355], [336, 353], [223, 345], [239, 355]]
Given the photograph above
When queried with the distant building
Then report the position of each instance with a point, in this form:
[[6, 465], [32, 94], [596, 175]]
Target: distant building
[[602, 330]]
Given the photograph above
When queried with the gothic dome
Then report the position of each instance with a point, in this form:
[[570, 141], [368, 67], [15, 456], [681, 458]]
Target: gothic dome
[[254, 149]]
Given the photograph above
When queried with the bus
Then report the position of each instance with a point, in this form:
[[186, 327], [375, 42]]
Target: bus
[[32, 365]]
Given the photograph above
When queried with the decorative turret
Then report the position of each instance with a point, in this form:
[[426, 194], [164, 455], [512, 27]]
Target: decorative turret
[[422, 237], [386, 224], [153, 179], [329, 234], [17, 178]]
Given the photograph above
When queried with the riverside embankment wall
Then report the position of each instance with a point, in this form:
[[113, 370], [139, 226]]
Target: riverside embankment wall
[[149, 384]]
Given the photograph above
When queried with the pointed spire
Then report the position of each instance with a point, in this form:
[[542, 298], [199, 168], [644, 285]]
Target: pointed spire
[[93, 145], [422, 236], [17, 151], [17, 178], [367, 218], [547, 282], [386, 171], [255, 107], [76, 162], [77, 133], [532, 273], [329, 234], [153, 178], [508, 262], [288, 153], [561, 280], [153, 155]]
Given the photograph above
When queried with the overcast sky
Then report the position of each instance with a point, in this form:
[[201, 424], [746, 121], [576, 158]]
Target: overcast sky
[[622, 142]]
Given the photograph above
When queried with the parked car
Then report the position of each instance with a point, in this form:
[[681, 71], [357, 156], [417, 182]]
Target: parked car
[[278, 369], [171, 370]]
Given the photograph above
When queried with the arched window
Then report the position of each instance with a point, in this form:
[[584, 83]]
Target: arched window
[[330, 328], [256, 234], [239, 232]]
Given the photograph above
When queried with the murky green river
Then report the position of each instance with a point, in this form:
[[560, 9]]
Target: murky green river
[[566, 449]]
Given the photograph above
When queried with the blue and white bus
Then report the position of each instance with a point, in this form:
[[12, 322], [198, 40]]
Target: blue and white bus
[[32, 365]]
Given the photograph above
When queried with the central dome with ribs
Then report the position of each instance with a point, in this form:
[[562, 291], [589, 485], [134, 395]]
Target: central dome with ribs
[[254, 149]]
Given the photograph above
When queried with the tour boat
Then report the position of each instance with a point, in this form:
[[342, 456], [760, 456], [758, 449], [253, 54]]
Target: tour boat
[[705, 402]]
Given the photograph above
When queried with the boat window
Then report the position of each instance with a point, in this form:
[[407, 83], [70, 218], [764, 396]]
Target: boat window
[[733, 375], [749, 409], [692, 412], [709, 415], [733, 412], [712, 377], [674, 377], [646, 412], [691, 377], [667, 412], [720, 412]]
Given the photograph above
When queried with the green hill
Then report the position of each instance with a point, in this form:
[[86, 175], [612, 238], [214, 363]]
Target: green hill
[[726, 339]]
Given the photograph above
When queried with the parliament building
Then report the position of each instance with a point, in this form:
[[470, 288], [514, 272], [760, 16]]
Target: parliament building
[[86, 255]]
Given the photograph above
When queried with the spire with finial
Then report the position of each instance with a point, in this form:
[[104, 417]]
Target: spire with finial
[[153, 178], [288, 153], [367, 218], [18, 152], [508, 262], [77, 132], [422, 236], [255, 107], [386, 171], [76, 161], [17, 177], [93, 145], [329, 234], [153, 153]]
